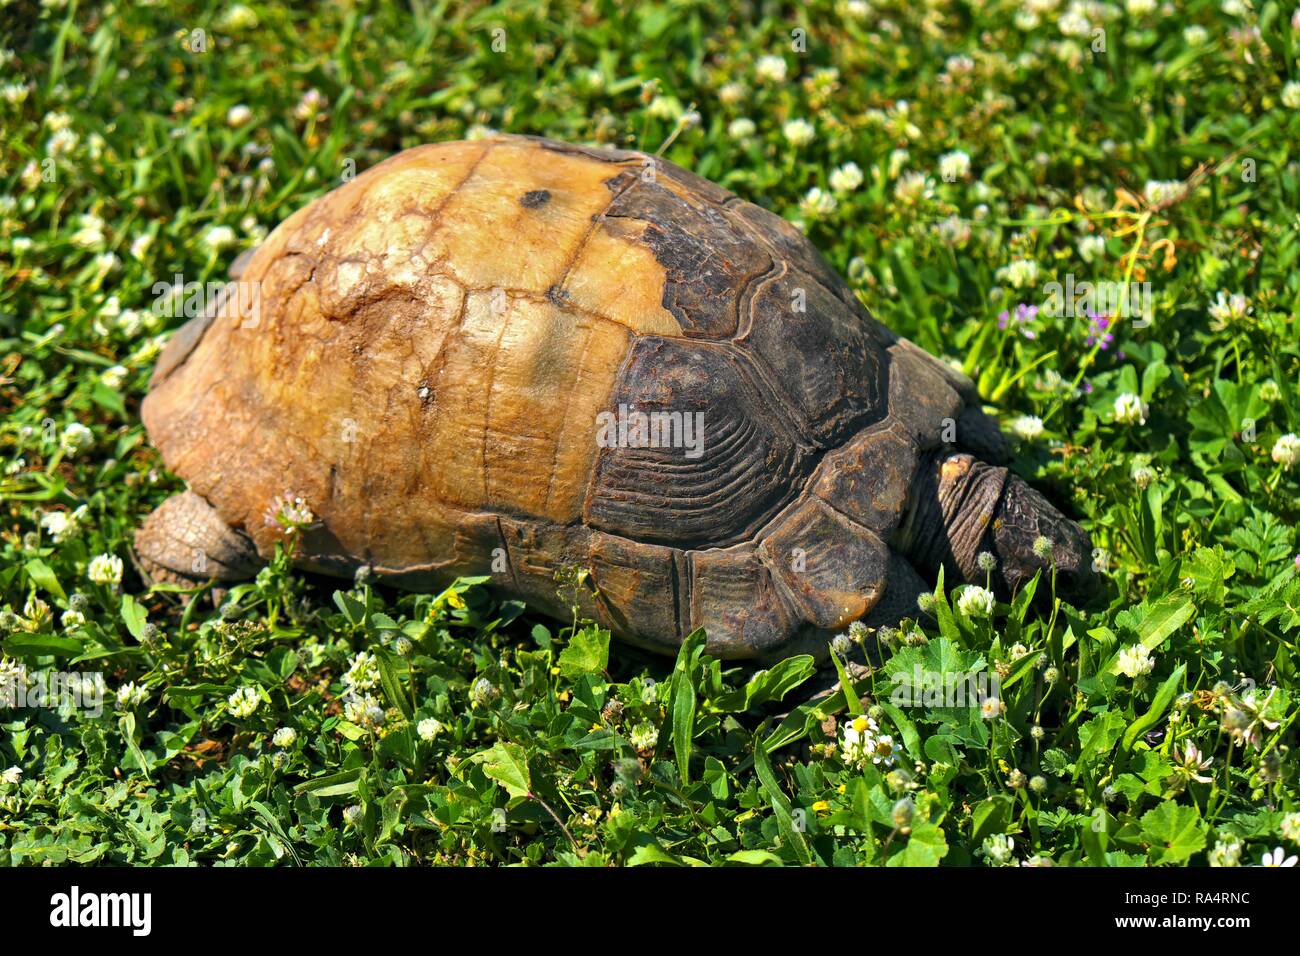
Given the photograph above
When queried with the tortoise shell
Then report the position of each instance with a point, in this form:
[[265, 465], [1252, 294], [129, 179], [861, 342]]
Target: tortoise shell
[[448, 361]]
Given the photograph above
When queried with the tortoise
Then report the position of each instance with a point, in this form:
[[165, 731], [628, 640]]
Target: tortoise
[[514, 356]]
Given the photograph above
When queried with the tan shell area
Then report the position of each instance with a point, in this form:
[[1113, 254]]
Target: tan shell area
[[410, 347]]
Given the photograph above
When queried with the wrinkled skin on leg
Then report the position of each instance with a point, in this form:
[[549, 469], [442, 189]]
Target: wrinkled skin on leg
[[183, 541]]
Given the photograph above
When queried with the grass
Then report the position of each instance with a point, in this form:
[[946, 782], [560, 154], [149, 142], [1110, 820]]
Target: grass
[[996, 151]]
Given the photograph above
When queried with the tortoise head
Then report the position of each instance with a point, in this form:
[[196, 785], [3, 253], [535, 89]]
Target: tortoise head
[[962, 506]]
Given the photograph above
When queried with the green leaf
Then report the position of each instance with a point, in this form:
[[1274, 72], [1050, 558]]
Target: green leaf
[[333, 784], [40, 574], [1174, 832], [846, 686], [392, 682], [507, 764], [36, 645], [133, 615], [587, 653], [1164, 697], [926, 846], [780, 806], [683, 710]]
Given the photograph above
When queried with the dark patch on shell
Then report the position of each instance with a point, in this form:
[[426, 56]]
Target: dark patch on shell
[[534, 198]]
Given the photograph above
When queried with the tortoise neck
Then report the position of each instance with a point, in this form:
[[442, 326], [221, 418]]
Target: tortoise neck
[[949, 509]]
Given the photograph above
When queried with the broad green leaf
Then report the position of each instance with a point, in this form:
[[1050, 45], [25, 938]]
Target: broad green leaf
[[587, 653], [507, 764], [1174, 832]]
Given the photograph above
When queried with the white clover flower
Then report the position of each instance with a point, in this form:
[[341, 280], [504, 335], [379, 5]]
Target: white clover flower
[[284, 737], [913, 187], [846, 178], [114, 377], [1091, 247], [992, 707], [954, 165], [770, 69], [732, 93], [36, 612], [71, 619], [237, 18], [975, 601], [352, 815], [817, 203], [798, 132], [90, 232], [1026, 20], [953, 231], [61, 525], [1290, 827], [131, 695], [1291, 95], [482, 692], [364, 710], [290, 512], [1028, 427], [140, 245], [217, 238], [958, 64], [1228, 308], [644, 736], [1269, 391], [1195, 35], [1020, 273], [12, 776], [1140, 8], [31, 176], [1286, 450], [243, 702], [62, 143], [363, 672], [741, 128], [428, 729], [665, 107], [857, 9], [105, 569], [238, 115], [14, 93], [998, 849], [1277, 858], [1134, 661], [1130, 409], [310, 105], [1226, 853], [1157, 191], [1191, 762], [1142, 475], [1073, 23]]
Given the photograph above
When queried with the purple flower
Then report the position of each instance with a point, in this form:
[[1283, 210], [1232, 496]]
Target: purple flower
[[1098, 334], [1022, 315]]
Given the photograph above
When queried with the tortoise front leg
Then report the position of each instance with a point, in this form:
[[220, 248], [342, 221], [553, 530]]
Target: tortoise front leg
[[184, 541]]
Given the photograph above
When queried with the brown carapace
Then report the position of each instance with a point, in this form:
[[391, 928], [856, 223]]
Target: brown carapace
[[514, 356]]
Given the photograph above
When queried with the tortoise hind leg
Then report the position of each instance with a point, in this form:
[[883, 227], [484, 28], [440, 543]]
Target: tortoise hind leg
[[184, 541]]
